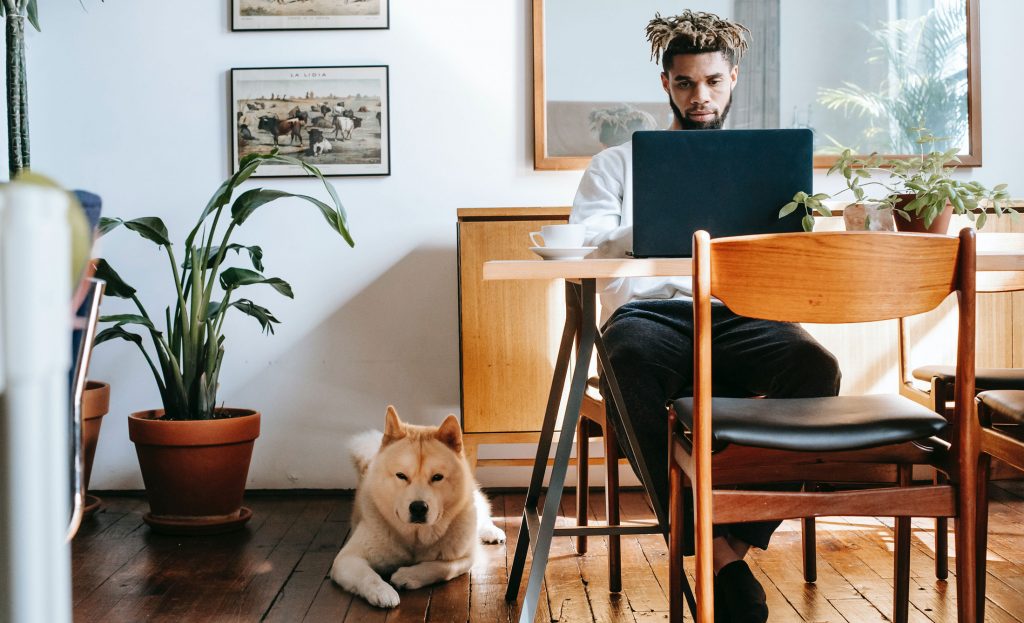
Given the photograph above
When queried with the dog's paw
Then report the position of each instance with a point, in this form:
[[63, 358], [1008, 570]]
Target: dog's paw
[[492, 534], [382, 595], [411, 578]]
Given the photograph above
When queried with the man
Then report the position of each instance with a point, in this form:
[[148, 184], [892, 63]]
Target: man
[[649, 328]]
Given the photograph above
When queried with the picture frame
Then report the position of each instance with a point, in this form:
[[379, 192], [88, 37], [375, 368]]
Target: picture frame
[[336, 118], [310, 14]]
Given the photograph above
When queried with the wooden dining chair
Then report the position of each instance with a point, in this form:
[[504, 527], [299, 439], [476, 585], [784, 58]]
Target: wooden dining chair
[[826, 277], [1001, 414], [941, 379]]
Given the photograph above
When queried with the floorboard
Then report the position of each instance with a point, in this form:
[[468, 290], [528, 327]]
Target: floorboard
[[277, 569]]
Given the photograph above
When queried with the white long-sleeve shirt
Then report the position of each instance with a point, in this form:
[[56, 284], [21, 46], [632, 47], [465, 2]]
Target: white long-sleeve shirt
[[604, 203]]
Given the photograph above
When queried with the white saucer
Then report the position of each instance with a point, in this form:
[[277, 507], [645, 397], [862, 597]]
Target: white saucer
[[555, 253]]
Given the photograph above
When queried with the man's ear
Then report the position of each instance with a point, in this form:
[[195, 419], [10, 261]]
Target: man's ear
[[664, 82], [450, 434], [734, 74], [393, 429]]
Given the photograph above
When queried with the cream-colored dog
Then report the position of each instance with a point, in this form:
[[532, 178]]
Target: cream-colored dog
[[419, 515]]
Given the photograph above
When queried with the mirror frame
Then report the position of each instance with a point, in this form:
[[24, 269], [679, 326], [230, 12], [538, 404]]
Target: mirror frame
[[543, 162]]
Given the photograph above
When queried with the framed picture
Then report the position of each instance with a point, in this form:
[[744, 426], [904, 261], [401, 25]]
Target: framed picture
[[335, 118], [308, 14]]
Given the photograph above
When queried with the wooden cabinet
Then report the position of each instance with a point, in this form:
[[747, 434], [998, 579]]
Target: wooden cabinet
[[508, 330]]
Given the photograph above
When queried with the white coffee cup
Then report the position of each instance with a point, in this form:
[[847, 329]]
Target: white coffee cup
[[566, 236]]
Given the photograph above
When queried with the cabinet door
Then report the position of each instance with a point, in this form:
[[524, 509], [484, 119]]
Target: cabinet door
[[509, 330]]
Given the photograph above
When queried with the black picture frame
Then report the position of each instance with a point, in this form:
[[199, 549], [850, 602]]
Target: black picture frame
[[274, 15], [343, 108]]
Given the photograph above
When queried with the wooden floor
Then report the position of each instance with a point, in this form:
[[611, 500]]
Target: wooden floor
[[276, 570]]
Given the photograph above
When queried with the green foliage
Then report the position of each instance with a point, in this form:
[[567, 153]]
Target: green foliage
[[926, 64], [186, 354], [927, 176]]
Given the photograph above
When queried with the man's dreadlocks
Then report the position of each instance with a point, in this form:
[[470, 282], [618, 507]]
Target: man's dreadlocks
[[695, 33]]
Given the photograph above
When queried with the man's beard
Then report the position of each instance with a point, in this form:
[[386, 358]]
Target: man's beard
[[687, 124]]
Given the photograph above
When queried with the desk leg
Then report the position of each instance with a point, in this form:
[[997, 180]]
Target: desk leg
[[572, 323], [552, 502]]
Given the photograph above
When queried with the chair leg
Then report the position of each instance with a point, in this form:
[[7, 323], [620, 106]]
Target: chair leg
[[941, 539], [676, 508], [981, 546], [901, 600], [965, 540], [582, 480], [611, 493], [809, 542]]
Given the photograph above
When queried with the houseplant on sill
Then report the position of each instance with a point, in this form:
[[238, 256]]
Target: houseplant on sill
[[193, 454], [920, 190]]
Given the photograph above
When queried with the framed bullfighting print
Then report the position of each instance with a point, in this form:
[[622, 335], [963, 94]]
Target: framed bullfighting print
[[309, 14], [335, 118]]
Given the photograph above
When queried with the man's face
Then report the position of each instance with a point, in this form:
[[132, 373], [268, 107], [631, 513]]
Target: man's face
[[700, 87]]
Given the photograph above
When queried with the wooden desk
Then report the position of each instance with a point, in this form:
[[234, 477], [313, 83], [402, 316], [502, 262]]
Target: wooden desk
[[997, 253]]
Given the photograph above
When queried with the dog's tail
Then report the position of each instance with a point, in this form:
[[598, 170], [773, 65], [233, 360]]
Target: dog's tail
[[363, 448]]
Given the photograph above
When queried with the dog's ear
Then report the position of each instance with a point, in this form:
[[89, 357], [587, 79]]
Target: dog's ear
[[393, 429], [450, 434]]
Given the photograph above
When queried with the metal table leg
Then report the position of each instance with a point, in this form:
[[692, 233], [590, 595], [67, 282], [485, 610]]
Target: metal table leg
[[537, 529], [571, 328]]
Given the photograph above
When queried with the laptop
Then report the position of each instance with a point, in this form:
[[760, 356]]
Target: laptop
[[727, 182]]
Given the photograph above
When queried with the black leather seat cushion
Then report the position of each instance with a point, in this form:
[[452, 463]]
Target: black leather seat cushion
[[1007, 403], [984, 378], [810, 424]]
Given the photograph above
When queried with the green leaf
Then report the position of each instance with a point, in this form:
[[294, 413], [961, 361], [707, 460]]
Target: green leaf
[[824, 210], [982, 217], [807, 222], [116, 287], [150, 228], [259, 313], [247, 202], [999, 187], [33, 14], [212, 309], [123, 319], [236, 277], [108, 224], [255, 255], [788, 209], [115, 332]]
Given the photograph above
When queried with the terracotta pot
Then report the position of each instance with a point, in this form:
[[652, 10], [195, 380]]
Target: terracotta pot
[[195, 471], [95, 404], [939, 226]]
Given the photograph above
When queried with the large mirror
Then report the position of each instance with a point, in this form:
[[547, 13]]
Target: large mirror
[[860, 73]]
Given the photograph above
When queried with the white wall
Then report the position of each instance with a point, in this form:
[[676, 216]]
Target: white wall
[[129, 97]]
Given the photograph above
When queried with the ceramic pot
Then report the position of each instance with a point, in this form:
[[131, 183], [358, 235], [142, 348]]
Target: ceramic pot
[[95, 404], [868, 217], [939, 226], [195, 470]]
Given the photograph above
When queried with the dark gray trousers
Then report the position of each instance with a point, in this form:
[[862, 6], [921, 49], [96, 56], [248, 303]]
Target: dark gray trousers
[[650, 346]]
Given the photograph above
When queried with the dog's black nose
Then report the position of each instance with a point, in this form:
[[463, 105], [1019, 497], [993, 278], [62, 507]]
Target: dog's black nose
[[418, 511]]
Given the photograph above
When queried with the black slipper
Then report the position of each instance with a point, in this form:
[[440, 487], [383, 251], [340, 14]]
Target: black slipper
[[736, 586]]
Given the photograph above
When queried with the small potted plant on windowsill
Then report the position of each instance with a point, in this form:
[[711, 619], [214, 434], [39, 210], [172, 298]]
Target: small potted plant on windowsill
[[194, 454], [920, 190]]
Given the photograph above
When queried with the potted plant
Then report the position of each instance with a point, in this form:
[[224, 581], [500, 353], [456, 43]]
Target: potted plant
[[194, 454], [921, 190]]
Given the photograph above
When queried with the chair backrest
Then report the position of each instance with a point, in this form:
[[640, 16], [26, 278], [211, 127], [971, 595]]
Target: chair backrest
[[833, 277]]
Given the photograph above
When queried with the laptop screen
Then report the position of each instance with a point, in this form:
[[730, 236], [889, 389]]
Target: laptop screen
[[727, 182]]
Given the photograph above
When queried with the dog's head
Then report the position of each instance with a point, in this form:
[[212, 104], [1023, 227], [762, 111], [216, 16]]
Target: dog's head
[[420, 475]]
